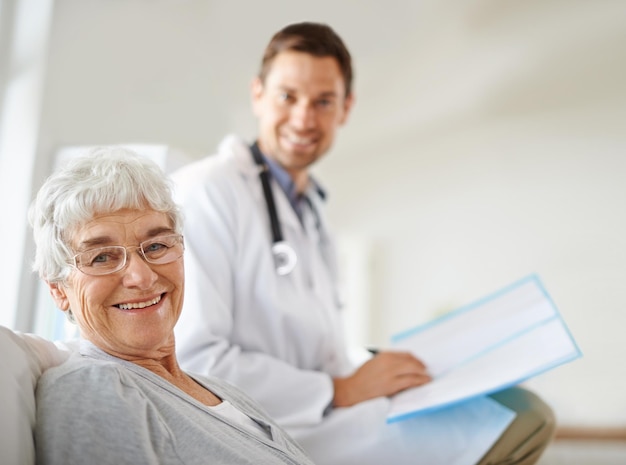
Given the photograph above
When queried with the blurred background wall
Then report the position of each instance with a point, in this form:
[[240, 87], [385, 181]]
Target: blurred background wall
[[488, 141]]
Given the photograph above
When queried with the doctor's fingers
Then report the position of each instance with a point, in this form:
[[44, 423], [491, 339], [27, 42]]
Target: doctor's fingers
[[398, 381], [411, 380], [403, 371], [402, 361], [392, 373]]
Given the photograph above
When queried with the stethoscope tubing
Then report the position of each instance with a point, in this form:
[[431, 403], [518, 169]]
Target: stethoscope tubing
[[285, 257]]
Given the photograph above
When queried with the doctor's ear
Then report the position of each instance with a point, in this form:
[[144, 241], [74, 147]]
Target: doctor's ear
[[256, 92], [58, 295], [348, 103]]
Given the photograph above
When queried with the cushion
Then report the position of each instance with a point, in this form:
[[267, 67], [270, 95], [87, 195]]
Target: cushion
[[24, 358]]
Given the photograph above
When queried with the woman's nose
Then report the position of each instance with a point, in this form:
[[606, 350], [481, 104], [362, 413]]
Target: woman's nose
[[138, 272]]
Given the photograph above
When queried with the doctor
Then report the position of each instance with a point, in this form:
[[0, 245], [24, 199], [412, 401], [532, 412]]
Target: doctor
[[261, 304]]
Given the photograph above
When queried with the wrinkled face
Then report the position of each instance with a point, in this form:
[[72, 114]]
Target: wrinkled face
[[299, 107], [130, 313]]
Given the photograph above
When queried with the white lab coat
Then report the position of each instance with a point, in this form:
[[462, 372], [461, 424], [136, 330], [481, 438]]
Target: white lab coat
[[280, 338]]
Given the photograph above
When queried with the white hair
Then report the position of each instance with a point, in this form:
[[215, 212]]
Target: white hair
[[104, 180]]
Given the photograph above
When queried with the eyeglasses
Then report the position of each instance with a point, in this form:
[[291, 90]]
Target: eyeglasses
[[106, 260]]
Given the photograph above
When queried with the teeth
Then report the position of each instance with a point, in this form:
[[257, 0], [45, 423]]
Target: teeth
[[300, 140], [140, 304]]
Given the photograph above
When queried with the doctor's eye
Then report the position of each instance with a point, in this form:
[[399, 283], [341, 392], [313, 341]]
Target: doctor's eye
[[325, 103], [286, 97]]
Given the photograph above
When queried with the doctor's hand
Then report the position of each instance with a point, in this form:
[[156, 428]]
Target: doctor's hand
[[384, 375]]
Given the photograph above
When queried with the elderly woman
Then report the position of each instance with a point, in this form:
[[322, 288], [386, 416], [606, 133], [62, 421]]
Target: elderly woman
[[110, 249]]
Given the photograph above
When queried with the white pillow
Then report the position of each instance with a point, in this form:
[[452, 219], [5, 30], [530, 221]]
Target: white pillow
[[24, 357]]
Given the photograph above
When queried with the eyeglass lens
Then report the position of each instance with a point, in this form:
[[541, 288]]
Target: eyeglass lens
[[104, 260]]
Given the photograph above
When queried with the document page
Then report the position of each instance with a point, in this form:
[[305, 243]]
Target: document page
[[497, 342]]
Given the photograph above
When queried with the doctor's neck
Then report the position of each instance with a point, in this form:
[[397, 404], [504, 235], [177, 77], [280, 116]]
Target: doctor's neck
[[299, 174], [300, 180]]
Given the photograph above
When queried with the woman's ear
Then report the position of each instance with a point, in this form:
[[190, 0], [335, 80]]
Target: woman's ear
[[58, 294]]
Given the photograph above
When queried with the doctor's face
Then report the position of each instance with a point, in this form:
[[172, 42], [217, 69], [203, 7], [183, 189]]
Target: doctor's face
[[129, 313], [300, 106]]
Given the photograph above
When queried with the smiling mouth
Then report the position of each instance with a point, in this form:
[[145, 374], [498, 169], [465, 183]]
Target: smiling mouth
[[137, 305], [300, 141]]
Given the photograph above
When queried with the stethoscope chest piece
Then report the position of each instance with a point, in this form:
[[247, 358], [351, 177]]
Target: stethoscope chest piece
[[284, 258]]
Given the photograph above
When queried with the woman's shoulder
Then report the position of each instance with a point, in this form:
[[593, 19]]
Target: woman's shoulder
[[93, 389], [79, 374]]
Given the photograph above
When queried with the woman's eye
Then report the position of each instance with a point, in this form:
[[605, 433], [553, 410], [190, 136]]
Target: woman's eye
[[105, 257], [101, 258], [155, 246]]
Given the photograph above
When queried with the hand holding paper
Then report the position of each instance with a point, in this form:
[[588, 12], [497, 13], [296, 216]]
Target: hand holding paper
[[386, 374], [499, 341]]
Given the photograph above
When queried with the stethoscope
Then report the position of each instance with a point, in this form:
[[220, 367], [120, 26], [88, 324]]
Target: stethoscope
[[285, 257]]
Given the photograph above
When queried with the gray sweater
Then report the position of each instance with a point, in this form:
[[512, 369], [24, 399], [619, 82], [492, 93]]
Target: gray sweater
[[96, 408]]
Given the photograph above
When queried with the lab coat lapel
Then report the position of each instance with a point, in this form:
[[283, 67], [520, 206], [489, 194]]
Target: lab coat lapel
[[286, 216]]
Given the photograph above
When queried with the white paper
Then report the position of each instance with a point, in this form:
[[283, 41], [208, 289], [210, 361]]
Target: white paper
[[497, 342]]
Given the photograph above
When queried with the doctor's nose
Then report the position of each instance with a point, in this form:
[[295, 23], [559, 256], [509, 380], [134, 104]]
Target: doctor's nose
[[303, 116]]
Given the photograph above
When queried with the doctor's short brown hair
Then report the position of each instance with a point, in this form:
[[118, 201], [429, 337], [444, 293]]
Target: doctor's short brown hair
[[313, 38]]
